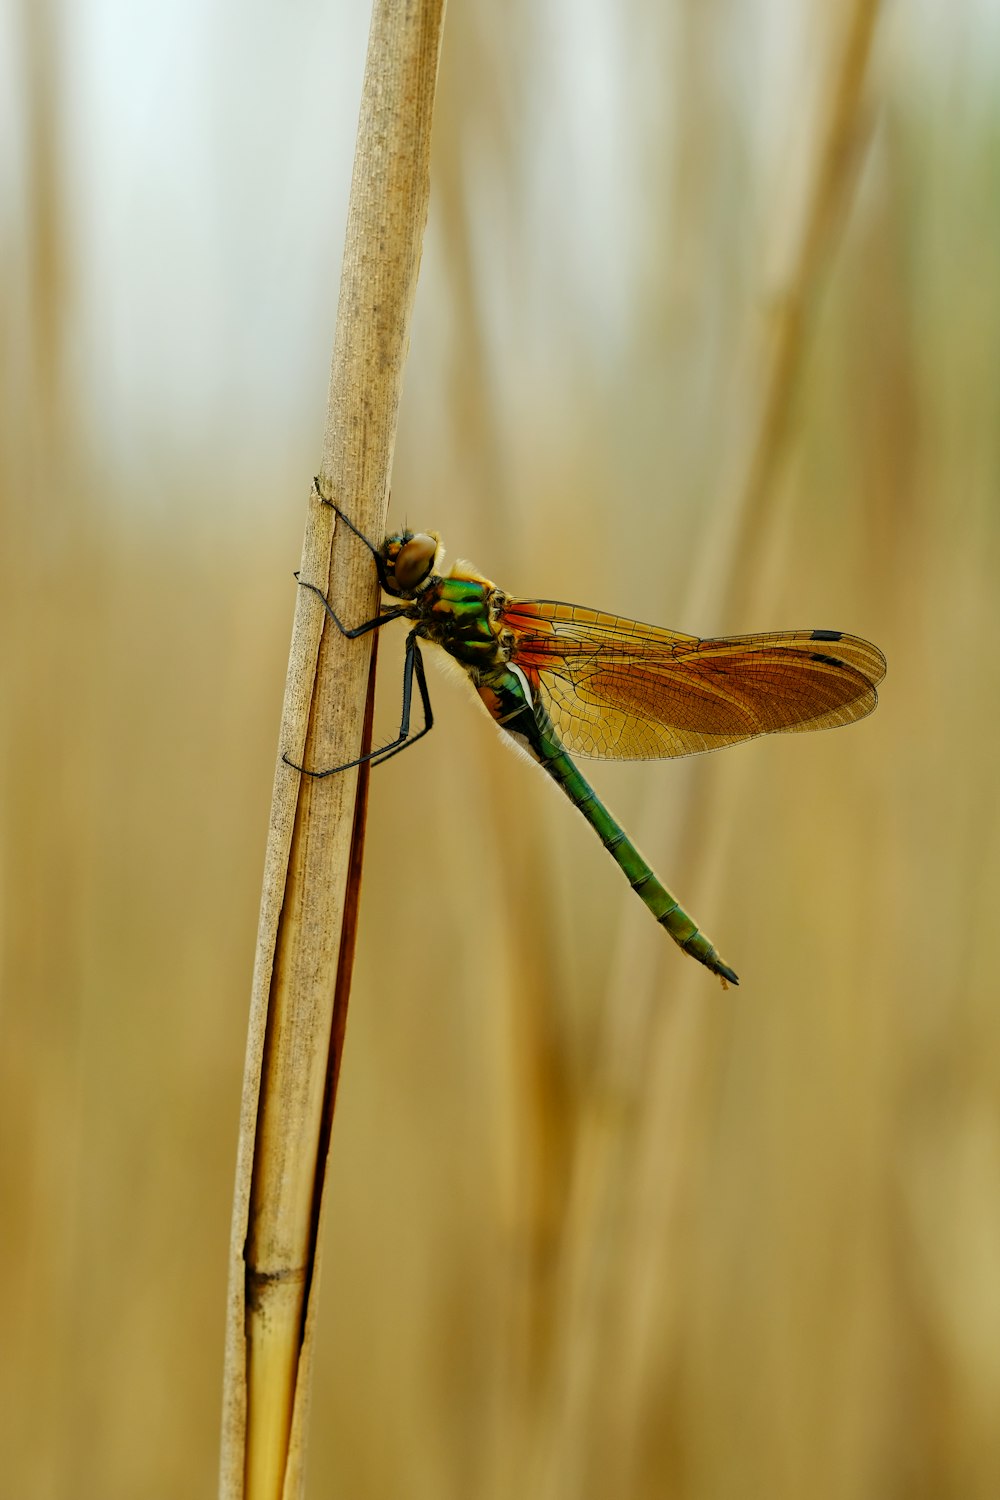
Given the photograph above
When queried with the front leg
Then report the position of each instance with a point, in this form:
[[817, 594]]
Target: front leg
[[376, 552], [380, 619]]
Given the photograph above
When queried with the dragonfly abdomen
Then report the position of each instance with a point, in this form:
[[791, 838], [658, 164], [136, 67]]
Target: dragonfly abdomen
[[506, 693], [654, 895]]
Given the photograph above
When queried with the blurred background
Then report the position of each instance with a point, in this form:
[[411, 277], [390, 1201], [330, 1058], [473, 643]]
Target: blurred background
[[708, 332]]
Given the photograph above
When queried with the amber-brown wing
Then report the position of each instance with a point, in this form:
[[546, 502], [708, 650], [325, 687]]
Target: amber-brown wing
[[619, 690]]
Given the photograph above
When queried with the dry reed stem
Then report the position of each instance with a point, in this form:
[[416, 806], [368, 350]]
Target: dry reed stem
[[313, 851], [629, 1053], [749, 520], [743, 526], [779, 363], [540, 1109], [749, 532]]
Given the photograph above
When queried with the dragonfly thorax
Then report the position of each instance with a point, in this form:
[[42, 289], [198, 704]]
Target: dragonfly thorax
[[460, 612]]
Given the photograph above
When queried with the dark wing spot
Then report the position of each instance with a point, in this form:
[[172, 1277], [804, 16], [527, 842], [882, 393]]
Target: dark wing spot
[[827, 635], [831, 661]]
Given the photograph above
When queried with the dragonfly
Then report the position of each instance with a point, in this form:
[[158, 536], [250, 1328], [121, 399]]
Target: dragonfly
[[563, 681]]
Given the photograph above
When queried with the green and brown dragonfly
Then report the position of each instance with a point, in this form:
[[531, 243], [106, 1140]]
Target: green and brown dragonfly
[[562, 680]]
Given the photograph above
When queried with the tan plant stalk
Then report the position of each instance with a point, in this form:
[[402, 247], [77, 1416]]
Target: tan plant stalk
[[638, 1037], [312, 863], [826, 199]]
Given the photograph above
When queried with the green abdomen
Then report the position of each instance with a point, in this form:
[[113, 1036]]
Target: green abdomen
[[507, 697]]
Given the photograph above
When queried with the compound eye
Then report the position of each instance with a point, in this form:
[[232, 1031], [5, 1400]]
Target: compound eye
[[414, 562]]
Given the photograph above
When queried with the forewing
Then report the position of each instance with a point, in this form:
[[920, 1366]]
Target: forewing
[[620, 690]]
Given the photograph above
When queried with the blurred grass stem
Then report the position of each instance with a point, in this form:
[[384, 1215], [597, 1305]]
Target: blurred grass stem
[[821, 213], [637, 1028], [312, 863]]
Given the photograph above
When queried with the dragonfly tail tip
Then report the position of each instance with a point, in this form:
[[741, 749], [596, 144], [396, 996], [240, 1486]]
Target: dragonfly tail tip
[[726, 974]]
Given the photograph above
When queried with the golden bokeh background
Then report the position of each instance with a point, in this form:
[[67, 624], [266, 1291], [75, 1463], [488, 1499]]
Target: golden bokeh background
[[595, 1228]]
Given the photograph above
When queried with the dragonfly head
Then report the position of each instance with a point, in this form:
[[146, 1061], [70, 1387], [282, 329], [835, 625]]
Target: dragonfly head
[[408, 560]]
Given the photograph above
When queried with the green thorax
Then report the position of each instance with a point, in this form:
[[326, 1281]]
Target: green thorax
[[461, 614]]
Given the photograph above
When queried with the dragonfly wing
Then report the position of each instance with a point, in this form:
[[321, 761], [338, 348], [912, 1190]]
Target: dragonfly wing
[[620, 690]]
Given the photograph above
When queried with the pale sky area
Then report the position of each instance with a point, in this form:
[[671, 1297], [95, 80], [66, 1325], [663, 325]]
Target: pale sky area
[[206, 154]]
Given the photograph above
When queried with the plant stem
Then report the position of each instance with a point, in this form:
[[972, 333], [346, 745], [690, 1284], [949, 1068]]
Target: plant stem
[[314, 837]]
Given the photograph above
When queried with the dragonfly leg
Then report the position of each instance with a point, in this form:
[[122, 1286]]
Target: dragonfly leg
[[380, 619], [413, 665], [375, 551]]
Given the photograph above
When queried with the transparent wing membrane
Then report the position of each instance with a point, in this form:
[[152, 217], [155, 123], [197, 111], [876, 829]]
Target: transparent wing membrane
[[620, 690]]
